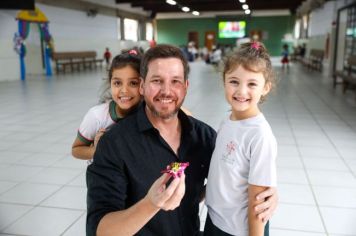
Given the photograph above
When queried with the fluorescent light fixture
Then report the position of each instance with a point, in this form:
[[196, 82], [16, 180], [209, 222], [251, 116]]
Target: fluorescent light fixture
[[171, 2], [196, 13], [247, 11], [242, 1], [185, 9], [245, 6]]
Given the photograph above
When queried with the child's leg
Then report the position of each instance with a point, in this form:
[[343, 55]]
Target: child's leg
[[211, 230], [266, 229]]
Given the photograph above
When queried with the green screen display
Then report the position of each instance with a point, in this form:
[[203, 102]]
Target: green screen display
[[232, 29]]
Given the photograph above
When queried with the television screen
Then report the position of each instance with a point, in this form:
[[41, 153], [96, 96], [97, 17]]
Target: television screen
[[232, 29]]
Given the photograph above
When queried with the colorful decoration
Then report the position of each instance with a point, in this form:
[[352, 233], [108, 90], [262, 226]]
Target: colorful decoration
[[36, 16], [256, 45], [176, 169], [24, 19]]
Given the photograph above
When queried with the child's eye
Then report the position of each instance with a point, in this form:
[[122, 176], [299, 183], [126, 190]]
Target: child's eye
[[117, 83], [134, 83], [234, 82], [252, 84]]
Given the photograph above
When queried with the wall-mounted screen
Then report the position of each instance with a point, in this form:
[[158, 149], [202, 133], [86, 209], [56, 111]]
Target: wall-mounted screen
[[232, 29]]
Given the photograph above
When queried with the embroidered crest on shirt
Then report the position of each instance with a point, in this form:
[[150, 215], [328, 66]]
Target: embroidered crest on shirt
[[229, 149]]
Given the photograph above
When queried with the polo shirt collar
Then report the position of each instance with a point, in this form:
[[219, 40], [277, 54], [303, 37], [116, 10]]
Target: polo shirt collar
[[145, 124]]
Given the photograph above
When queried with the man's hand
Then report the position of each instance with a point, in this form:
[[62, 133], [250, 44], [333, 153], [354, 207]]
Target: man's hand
[[167, 198], [266, 209]]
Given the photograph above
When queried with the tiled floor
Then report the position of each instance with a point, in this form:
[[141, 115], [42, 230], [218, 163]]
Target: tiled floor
[[42, 188]]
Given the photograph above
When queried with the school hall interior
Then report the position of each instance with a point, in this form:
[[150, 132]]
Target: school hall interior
[[52, 70]]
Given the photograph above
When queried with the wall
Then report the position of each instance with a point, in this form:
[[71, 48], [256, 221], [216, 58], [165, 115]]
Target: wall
[[9, 60], [175, 31], [72, 30]]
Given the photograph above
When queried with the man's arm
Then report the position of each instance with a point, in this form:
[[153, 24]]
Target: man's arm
[[131, 220]]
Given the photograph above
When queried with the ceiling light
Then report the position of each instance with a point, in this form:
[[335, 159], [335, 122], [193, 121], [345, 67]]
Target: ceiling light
[[196, 13], [247, 11], [185, 9], [171, 2], [242, 1], [245, 6]]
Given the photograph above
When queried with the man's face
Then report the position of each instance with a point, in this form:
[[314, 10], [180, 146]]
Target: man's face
[[164, 87]]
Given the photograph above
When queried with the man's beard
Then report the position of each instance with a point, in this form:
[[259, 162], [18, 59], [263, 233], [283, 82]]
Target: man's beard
[[163, 115]]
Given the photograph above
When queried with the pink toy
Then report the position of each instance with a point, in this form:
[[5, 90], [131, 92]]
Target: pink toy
[[175, 169]]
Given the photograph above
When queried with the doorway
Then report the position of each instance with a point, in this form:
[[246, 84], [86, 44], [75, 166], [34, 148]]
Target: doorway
[[194, 37], [210, 38]]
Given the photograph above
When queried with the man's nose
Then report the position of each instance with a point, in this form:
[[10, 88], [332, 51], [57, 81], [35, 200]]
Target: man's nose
[[165, 87]]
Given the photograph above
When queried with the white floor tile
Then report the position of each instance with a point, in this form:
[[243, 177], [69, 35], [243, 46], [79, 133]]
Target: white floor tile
[[281, 232], [339, 220], [27, 193], [336, 164], [335, 197], [70, 197], [297, 217], [44, 221], [332, 178], [289, 162], [324, 152], [18, 173], [55, 176], [78, 228], [291, 176], [6, 185], [9, 213], [293, 193]]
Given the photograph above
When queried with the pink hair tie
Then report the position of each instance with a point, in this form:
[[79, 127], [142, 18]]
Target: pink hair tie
[[133, 52], [256, 45]]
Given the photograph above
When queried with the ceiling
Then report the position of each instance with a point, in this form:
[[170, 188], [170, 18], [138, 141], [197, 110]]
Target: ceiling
[[160, 6]]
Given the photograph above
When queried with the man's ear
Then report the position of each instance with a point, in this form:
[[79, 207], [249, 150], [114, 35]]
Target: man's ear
[[141, 86]]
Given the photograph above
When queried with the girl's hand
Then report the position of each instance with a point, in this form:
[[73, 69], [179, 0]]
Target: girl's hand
[[98, 136]]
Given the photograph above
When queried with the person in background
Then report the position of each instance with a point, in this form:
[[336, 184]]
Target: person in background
[[243, 162], [107, 57], [285, 57], [123, 83], [127, 193]]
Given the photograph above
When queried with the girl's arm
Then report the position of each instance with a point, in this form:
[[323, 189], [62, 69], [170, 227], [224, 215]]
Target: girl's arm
[[256, 226], [84, 151], [81, 150]]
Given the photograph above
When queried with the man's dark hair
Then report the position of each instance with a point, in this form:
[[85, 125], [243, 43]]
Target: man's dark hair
[[163, 51]]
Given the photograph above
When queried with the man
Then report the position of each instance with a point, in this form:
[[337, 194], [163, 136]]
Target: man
[[126, 193]]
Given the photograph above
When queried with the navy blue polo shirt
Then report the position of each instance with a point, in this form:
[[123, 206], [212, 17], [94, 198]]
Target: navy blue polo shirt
[[131, 156]]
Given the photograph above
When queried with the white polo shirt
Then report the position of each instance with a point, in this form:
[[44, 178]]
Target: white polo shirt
[[245, 153], [98, 117]]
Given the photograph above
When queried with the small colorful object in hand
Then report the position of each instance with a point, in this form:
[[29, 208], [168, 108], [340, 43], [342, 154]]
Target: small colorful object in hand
[[176, 169]]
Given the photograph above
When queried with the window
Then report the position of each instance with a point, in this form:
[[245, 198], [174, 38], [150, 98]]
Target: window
[[131, 28], [297, 29], [119, 28], [149, 31]]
